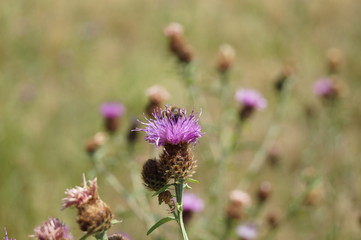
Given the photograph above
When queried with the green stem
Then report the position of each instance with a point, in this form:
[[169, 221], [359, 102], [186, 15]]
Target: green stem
[[179, 195]]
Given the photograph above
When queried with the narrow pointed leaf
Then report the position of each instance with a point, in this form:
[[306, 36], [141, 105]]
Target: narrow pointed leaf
[[192, 180], [115, 221], [159, 223]]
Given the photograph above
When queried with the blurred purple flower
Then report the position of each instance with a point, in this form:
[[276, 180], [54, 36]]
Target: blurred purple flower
[[53, 229], [112, 110], [324, 87], [192, 203], [172, 126], [250, 98], [7, 237], [247, 231]]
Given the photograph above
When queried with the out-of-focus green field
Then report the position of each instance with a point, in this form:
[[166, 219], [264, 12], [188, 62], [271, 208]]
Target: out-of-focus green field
[[59, 60]]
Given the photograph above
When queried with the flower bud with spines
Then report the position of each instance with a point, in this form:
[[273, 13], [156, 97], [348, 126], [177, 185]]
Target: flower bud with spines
[[153, 176]]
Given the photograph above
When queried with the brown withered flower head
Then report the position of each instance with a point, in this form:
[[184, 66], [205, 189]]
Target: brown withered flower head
[[334, 60], [239, 201], [177, 44], [225, 58], [93, 144], [264, 191], [94, 216]]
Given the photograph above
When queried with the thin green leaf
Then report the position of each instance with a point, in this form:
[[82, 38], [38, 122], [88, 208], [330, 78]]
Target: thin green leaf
[[159, 223], [192, 180], [162, 189], [186, 186], [115, 221]]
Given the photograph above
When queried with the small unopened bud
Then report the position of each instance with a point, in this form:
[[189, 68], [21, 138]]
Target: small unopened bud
[[282, 79], [133, 135], [112, 111], [273, 220], [166, 197], [225, 58], [264, 191], [93, 144], [238, 202], [334, 60], [313, 197], [273, 156], [154, 177]]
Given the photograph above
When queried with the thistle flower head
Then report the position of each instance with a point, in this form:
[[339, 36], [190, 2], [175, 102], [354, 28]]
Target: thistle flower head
[[192, 203], [53, 229], [7, 237], [78, 196], [172, 126], [250, 98], [112, 110], [325, 88], [247, 231]]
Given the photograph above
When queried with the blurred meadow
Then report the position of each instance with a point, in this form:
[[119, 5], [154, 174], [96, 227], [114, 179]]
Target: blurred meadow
[[60, 60]]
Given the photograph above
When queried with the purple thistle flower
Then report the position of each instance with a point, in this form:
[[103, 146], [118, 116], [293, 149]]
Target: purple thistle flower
[[250, 98], [192, 203], [171, 126], [112, 110], [247, 231], [324, 87], [6, 236], [53, 229]]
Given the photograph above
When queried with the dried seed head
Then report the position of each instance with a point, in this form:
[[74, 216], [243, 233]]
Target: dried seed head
[[177, 161], [53, 229], [95, 142], [154, 177], [79, 196], [94, 218], [238, 202], [157, 94], [177, 44], [264, 191], [334, 60], [225, 58]]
